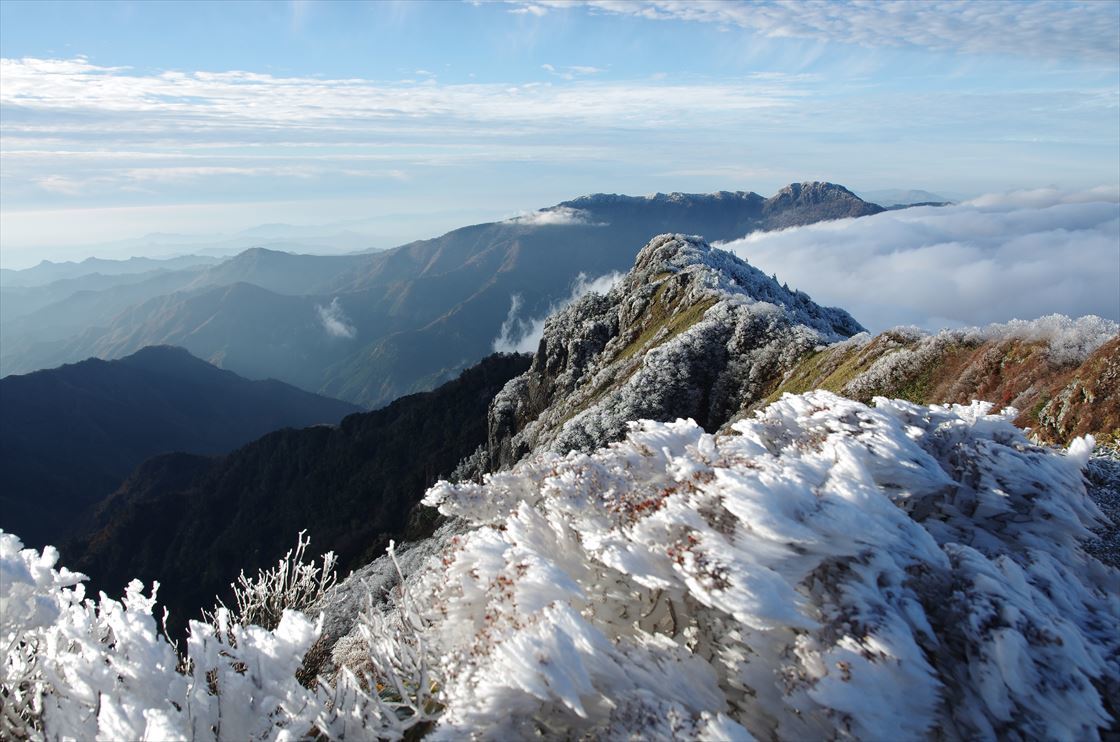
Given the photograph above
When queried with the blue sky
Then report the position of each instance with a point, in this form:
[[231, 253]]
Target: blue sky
[[118, 119]]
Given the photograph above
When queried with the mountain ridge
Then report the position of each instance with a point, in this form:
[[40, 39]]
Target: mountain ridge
[[449, 295], [70, 435], [686, 333]]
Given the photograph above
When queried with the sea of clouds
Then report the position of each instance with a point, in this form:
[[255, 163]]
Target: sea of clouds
[[1017, 255]]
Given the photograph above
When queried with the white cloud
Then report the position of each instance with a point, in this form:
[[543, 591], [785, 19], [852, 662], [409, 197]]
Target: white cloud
[[1002, 256], [571, 72], [555, 216], [1080, 30], [529, 9], [335, 321], [203, 100], [61, 184], [518, 335]]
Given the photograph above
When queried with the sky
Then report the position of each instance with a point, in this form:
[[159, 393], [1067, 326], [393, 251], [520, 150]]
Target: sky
[[122, 119]]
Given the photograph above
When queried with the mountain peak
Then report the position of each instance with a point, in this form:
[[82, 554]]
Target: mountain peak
[[814, 191], [813, 201], [691, 331]]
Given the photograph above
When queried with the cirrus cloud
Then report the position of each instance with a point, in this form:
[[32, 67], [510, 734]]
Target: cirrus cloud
[[1084, 29]]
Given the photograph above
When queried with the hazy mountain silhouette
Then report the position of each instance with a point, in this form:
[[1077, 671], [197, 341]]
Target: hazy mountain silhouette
[[70, 435], [370, 328]]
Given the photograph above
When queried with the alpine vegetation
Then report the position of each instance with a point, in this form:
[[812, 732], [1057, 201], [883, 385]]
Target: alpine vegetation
[[824, 569]]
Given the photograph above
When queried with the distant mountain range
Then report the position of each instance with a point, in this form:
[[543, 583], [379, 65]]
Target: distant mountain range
[[48, 272], [192, 521], [69, 436], [370, 328]]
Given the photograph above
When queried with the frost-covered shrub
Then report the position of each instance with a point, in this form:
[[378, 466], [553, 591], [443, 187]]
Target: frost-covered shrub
[[1070, 340], [830, 570], [386, 684], [100, 669], [292, 584], [74, 668]]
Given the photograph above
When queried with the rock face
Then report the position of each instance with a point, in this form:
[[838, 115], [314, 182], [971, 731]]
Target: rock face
[[691, 331]]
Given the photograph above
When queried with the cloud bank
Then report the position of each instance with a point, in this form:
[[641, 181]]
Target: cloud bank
[[335, 321], [999, 257], [523, 335]]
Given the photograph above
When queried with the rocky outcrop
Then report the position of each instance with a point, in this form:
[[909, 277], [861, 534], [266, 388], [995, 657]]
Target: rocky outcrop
[[691, 331]]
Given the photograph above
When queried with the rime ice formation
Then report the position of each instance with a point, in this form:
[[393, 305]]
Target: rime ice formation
[[827, 569], [690, 331]]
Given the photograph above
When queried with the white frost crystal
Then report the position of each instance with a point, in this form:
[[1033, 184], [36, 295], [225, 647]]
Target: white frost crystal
[[829, 569], [826, 570]]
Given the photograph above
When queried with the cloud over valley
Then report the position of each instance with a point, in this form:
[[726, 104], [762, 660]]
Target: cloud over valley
[[1015, 255]]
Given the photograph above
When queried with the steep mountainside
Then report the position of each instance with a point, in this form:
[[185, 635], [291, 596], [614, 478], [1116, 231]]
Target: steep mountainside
[[69, 436], [279, 272], [259, 333], [407, 319], [691, 331], [67, 319], [475, 271], [191, 522], [1062, 376], [17, 301]]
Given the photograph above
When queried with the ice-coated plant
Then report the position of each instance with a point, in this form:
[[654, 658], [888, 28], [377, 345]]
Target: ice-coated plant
[[85, 669], [826, 570], [293, 584], [829, 569]]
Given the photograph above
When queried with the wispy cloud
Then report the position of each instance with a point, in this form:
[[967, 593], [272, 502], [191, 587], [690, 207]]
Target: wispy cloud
[[555, 216], [571, 72], [1002, 256], [1085, 29], [529, 8], [522, 335], [202, 100], [335, 321]]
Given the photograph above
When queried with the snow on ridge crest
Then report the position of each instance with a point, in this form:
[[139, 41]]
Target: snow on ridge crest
[[1070, 339], [816, 573], [732, 277]]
